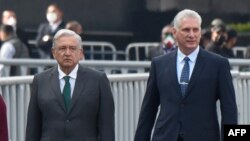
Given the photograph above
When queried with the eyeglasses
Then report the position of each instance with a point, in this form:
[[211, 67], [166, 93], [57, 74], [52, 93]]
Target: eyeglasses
[[70, 48]]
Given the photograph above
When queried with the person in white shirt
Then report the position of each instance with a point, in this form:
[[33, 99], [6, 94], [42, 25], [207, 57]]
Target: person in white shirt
[[11, 47]]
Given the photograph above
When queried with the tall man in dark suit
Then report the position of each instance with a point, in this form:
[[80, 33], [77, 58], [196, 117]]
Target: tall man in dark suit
[[187, 89], [47, 30], [70, 102]]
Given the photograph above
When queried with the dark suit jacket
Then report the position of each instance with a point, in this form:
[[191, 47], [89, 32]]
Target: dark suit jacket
[[45, 29], [90, 116], [195, 112], [3, 121]]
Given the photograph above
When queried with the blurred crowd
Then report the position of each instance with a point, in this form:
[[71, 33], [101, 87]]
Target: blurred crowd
[[45, 32], [14, 42], [218, 37]]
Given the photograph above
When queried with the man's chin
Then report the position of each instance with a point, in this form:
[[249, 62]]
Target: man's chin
[[192, 45], [67, 64]]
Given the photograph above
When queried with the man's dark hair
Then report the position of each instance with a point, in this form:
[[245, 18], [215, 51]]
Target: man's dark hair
[[231, 33]]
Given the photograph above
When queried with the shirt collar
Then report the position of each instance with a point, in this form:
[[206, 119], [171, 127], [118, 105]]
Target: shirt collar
[[72, 74], [55, 25], [192, 56]]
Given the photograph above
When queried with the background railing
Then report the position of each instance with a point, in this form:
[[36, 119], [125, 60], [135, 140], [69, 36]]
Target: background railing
[[99, 50], [109, 67], [139, 51], [128, 92]]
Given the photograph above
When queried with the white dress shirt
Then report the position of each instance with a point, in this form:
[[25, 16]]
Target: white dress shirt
[[72, 79], [180, 62], [7, 52], [55, 25]]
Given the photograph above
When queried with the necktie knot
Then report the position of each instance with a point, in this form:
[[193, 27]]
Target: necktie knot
[[66, 78], [186, 59]]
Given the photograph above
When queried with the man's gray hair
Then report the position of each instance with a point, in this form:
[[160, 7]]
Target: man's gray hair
[[66, 32], [186, 13]]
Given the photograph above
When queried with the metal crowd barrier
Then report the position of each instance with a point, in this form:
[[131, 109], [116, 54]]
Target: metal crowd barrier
[[240, 51], [139, 51], [99, 50], [109, 67], [128, 92]]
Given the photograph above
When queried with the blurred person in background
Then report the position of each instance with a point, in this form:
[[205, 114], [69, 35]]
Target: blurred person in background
[[205, 38], [75, 26], [12, 47], [3, 121], [218, 39], [167, 44], [46, 31], [217, 22], [227, 48], [9, 18]]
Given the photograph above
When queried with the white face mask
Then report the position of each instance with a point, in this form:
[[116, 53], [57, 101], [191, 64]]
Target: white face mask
[[51, 17], [12, 21], [169, 41]]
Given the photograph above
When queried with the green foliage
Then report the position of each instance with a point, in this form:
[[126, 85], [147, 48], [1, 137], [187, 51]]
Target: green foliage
[[241, 27]]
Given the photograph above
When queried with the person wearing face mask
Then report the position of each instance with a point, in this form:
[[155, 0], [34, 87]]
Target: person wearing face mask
[[167, 44], [9, 18], [47, 30]]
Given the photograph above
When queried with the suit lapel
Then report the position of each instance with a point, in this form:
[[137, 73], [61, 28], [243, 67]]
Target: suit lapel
[[55, 86], [173, 73], [79, 86], [199, 66]]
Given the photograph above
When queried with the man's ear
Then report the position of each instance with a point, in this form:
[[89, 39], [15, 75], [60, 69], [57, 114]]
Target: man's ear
[[173, 32], [82, 57], [53, 52]]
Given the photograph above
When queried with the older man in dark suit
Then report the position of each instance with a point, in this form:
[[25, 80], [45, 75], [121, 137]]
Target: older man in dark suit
[[186, 84], [70, 102]]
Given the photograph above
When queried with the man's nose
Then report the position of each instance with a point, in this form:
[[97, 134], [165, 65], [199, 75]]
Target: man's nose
[[67, 51]]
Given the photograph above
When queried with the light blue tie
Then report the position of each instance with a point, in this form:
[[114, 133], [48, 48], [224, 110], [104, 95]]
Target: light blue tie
[[184, 76], [66, 92]]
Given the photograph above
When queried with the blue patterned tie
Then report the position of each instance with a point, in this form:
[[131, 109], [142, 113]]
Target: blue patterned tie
[[66, 92], [184, 76]]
